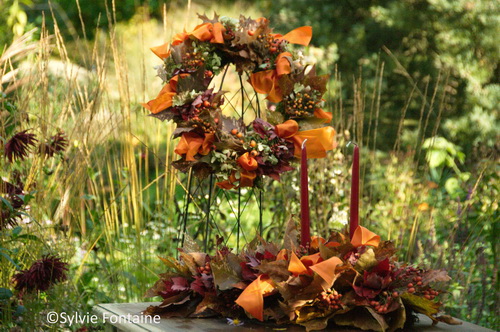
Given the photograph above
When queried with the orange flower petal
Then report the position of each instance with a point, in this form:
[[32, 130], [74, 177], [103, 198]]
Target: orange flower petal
[[301, 36], [318, 142], [296, 267], [287, 129], [320, 114], [364, 237], [252, 298], [326, 269], [162, 51]]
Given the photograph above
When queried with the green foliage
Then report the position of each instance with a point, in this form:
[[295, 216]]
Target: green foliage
[[429, 38]]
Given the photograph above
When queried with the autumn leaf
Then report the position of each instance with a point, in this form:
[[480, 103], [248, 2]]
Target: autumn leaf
[[421, 304], [291, 239], [174, 264], [448, 320], [190, 262], [163, 115], [435, 276], [277, 270], [366, 261], [397, 318], [225, 276], [362, 318]]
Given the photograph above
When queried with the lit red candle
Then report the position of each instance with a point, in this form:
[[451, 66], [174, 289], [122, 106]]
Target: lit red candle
[[354, 217], [305, 222]]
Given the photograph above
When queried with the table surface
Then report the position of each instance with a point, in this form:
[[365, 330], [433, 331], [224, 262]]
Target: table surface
[[220, 324]]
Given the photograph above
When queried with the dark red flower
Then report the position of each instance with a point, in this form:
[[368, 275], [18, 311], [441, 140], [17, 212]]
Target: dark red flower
[[42, 274], [57, 143], [19, 145]]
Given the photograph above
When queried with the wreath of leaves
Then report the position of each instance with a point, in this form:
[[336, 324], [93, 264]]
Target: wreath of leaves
[[211, 143]]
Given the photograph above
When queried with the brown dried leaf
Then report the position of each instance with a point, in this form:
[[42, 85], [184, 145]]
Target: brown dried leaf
[[385, 250], [163, 115], [206, 306], [435, 276], [205, 19], [291, 239], [397, 318], [361, 318], [174, 264], [190, 245], [277, 270], [157, 287], [225, 276], [448, 320], [190, 262]]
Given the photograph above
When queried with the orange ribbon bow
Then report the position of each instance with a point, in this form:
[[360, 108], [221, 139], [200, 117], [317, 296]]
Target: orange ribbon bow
[[164, 98], [266, 82], [252, 298], [314, 263], [247, 174], [203, 32], [301, 36], [364, 237], [191, 144], [318, 142]]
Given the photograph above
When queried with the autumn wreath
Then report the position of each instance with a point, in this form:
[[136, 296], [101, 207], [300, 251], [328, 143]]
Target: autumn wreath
[[350, 280], [239, 154]]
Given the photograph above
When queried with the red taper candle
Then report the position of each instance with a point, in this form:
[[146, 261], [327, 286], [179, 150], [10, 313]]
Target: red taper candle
[[354, 215], [305, 222]]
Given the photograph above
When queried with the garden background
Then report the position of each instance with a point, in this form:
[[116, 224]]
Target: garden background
[[414, 82]]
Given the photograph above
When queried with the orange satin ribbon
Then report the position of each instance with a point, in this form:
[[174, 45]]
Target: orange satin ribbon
[[248, 162], [364, 237], [247, 174], [209, 32], [191, 144], [252, 298], [320, 114], [300, 36], [318, 142], [266, 82], [164, 98], [203, 32], [314, 263]]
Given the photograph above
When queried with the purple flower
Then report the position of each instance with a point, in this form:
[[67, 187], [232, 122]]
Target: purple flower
[[43, 274], [19, 145]]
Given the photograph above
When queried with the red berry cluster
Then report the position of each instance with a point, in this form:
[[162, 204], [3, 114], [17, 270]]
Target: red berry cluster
[[330, 299], [205, 269], [430, 294]]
